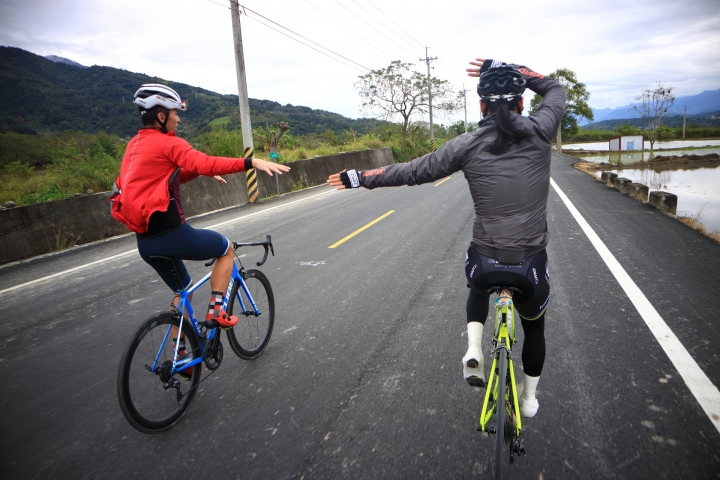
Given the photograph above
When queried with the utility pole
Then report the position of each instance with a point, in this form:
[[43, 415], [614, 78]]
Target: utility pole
[[427, 60], [684, 116], [251, 175]]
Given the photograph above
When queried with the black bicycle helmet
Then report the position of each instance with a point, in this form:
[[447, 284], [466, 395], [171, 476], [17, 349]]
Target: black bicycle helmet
[[501, 84]]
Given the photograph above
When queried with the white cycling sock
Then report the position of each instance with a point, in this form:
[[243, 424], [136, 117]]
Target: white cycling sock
[[475, 331], [528, 403], [530, 386]]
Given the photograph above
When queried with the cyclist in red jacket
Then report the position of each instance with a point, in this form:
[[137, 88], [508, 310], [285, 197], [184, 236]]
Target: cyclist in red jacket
[[146, 197]]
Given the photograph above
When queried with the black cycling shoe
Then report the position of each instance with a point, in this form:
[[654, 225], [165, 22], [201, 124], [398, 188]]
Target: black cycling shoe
[[475, 381]]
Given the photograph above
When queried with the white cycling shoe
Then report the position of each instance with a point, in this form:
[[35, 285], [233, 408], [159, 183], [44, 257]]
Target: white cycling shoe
[[474, 367], [473, 361], [528, 407]]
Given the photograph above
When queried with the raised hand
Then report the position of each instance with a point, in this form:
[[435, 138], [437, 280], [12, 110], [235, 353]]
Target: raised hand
[[269, 167], [474, 71], [334, 181]]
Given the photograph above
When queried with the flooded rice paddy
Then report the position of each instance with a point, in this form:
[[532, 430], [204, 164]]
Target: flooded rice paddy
[[674, 144], [697, 190], [631, 157]]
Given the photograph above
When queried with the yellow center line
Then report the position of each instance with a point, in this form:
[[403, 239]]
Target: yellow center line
[[360, 230], [442, 181]]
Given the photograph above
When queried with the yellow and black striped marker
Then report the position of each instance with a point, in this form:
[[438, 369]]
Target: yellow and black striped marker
[[251, 176], [432, 144]]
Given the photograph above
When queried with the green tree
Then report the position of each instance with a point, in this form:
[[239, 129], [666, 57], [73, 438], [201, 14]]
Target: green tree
[[652, 107], [396, 91], [575, 108], [626, 129]]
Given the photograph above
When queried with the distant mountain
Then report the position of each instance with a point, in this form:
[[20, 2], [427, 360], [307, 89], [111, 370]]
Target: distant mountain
[[55, 58], [705, 102], [697, 120], [42, 95]]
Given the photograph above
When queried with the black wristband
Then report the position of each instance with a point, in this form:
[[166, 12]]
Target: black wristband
[[248, 163]]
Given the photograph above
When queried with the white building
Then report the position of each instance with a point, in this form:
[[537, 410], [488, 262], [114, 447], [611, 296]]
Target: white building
[[627, 142]]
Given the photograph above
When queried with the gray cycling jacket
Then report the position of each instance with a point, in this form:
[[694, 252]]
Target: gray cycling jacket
[[510, 190]]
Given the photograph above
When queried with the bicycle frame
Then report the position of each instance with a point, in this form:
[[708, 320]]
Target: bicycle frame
[[503, 339], [185, 305]]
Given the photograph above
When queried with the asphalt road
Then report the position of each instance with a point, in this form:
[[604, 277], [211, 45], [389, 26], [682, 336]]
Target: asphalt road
[[362, 377]]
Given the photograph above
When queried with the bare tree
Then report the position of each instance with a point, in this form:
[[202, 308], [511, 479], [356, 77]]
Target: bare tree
[[653, 107], [396, 91]]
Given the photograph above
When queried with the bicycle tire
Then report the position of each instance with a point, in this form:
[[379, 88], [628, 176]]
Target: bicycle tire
[[249, 337], [500, 414], [145, 403]]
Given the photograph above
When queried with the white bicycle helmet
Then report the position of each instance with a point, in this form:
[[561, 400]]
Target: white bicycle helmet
[[154, 94]]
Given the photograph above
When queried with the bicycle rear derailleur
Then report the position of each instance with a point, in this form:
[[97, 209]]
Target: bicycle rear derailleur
[[517, 447]]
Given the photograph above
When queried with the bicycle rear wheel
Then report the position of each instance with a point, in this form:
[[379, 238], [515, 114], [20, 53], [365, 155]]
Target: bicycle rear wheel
[[500, 413], [249, 337], [145, 401]]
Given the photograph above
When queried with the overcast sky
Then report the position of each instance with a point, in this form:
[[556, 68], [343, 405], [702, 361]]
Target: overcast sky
[[616, 47]]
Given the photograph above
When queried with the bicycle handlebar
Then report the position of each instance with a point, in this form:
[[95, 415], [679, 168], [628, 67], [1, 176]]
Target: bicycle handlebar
[[267, 244]]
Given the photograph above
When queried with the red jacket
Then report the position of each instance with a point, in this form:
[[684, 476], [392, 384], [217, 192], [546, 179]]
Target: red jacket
[[150, 160]]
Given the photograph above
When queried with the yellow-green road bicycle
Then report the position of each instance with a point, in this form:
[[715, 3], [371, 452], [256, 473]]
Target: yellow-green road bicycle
[[501, 397]]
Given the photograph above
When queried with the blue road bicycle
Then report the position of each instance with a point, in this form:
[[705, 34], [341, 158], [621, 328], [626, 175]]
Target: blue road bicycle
[[157, 378]]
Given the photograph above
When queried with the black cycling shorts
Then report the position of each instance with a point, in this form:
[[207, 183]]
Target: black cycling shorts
[[182, 243], [531, 276]]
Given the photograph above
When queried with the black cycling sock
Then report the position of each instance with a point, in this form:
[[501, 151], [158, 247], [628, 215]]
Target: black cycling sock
[[477, 307], [533, 352]]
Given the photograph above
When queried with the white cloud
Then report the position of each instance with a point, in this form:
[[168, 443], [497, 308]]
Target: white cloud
[[616, 47]]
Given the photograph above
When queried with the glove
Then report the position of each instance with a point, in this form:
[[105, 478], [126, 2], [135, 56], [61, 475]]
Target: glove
[[488, 64], [352, 178]]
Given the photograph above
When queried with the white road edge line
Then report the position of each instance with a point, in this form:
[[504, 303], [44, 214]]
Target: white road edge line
[[699, 384], [103, 260]]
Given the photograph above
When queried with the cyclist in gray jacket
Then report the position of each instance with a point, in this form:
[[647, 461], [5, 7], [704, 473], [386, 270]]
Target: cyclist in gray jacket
[[506, 163]]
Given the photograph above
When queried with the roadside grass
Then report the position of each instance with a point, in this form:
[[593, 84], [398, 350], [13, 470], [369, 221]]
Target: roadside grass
[[76, 165], [696, 224], [37, 169]]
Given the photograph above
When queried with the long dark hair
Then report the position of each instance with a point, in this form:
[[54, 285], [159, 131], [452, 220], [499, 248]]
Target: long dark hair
[[507, 134]]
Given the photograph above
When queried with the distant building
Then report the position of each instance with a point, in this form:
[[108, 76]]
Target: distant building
[[627, 142]]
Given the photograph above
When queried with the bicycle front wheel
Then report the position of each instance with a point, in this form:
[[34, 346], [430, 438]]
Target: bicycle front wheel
[[150, 398], [500, 413], [249, 337]]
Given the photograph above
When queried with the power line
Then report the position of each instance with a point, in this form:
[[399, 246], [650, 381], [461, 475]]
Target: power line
[[292, 38], [319, 51], [216, 3], [398, 26], [366, 23], [304, 38], [346, 28], [381, 23]]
